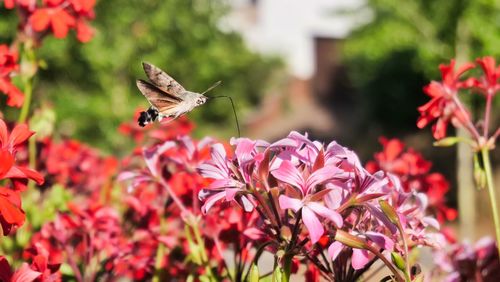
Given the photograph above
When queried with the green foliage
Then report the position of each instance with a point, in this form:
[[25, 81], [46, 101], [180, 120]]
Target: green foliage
[[92, 85], [395, 55]]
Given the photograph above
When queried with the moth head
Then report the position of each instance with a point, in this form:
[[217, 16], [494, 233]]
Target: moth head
[[201, 100]]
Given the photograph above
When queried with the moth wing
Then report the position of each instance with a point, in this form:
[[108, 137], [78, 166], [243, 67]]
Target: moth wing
[[162, 80], [162, 101]]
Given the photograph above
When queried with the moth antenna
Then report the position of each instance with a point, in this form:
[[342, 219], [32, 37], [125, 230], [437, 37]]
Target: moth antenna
[[212, 87], [232, 104]]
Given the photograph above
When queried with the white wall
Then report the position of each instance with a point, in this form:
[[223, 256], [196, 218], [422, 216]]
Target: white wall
[[287, 27]]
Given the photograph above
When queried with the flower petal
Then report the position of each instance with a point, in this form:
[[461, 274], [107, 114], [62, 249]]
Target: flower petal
[[245, 150], [325, 212], [321, 176], [359, 258], [288, 173], [313, 224], [290, 203], [381, 240], [6, 162], [4, 134], [24, 172], [25, 274], [335, 249], [211, 201], [19, 134]]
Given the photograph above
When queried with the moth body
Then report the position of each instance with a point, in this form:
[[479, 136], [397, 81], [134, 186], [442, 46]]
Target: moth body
[[167, 97]]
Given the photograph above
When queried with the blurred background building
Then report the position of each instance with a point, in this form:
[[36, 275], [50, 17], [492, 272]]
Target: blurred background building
[[308, 37]]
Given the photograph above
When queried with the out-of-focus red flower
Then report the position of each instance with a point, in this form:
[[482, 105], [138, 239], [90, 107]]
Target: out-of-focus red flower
[[57, 19], [41, 262], [23, 274], [8, 66], [414, 172], [75, 165], [56, 16], [442, 106]]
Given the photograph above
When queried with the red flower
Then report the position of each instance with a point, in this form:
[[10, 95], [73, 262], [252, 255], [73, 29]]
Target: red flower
[[23, 274], [76, 166], [11, 214], [8, 147], [442, 105], [414, 172], [83, 31], [8, 65], [57, 18], [489, 82]]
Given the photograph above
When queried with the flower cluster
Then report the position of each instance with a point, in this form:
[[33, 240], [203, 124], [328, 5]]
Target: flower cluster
[[445, 106], [8, 67], [76, 166], [11, 213], [466, 262], [414, 173], [87, 234], [311, 198], [38, 18]]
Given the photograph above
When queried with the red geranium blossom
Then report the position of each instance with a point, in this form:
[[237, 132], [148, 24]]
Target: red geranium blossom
[[11, 213], [488, 84], [442, 105], [56, 16], [414, 172], [9, 144], [8, 66]]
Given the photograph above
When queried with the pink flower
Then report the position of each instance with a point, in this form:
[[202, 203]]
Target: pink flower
[[309, 206], [310, 211], [225, 186]]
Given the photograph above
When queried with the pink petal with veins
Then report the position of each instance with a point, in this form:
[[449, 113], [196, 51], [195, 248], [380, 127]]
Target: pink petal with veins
[[313, 224]]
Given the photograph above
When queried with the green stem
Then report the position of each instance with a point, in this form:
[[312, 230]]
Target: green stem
[[160, 253], [287, 267], [32, 158], [491, 191], [288, 257], [204, 257], [28, 90], [405, 245]]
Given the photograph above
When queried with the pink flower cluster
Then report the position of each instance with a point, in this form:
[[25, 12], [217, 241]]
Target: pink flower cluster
[[309, 196]]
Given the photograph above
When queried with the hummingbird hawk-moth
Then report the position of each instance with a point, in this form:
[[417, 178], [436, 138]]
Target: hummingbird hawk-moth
[[167, 97]]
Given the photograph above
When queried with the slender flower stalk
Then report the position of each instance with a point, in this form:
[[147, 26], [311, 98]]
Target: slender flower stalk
[[492, 194]]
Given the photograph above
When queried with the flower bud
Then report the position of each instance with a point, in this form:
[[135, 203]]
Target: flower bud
[[350, 240], [398, 260], [446, 142], [389, 211]]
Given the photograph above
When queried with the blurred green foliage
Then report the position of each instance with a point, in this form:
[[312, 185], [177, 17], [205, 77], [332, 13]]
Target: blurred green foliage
[[92, 85], [393, 56]]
